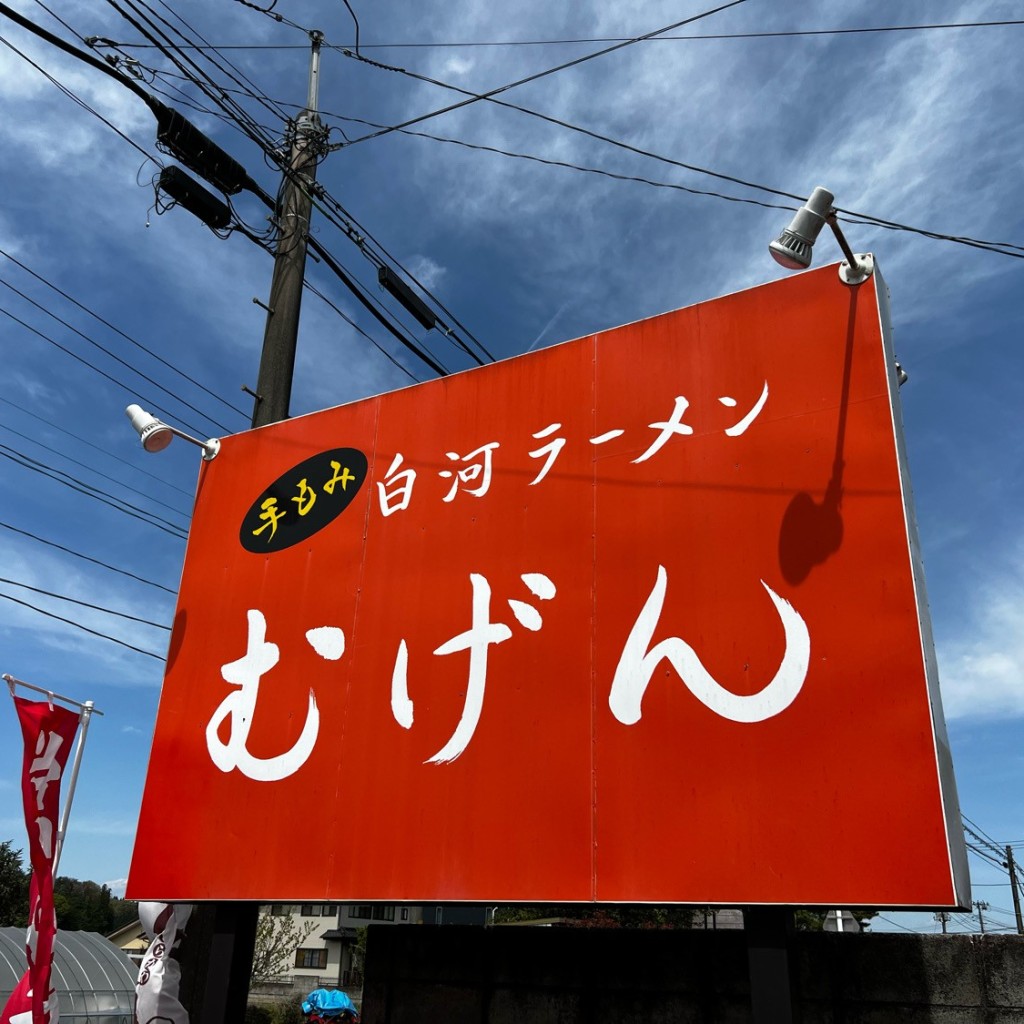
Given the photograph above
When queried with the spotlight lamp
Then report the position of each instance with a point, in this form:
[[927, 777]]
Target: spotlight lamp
[[156, 435], [793, 248]]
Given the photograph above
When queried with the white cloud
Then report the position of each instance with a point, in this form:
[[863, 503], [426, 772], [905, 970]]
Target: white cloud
[[117, 887], [46, 570], [457, 66], [39, 392], [981, 664], [427, 271]]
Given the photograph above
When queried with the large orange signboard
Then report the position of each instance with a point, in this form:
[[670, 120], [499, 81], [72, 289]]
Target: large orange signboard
[[637, 618]]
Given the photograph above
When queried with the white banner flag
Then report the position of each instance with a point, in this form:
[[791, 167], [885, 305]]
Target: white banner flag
[[156, 992]]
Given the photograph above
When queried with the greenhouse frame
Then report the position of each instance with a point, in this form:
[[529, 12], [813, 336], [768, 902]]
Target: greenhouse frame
[[95, 981]]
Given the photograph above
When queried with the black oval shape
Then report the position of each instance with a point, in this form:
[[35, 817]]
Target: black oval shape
[[303, 501]]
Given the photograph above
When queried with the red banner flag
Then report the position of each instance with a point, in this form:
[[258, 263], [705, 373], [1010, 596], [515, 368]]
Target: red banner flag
[[48, 731]]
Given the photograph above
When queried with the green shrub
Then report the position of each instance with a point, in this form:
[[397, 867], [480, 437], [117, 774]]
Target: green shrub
[[257, 1014], [288, 1013]]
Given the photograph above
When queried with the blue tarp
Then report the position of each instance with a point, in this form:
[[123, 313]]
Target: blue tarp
[[328, 1003]]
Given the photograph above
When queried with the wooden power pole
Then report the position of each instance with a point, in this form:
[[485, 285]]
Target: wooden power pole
[[277, 364], [217, 955], [981, 906], [1014, 888]]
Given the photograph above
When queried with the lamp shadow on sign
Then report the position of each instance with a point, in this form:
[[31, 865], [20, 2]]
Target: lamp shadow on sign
[[177, 638], [812, 532]]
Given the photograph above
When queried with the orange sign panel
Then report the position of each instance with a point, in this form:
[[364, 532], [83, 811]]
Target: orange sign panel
[[636, 618]]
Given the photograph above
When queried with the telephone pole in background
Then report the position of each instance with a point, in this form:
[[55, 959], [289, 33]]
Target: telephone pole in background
[[981, 906], [1011, 867], [217, 954], [277, 364]]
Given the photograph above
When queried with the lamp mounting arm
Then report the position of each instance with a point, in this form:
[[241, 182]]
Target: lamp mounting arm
[[857, 267]]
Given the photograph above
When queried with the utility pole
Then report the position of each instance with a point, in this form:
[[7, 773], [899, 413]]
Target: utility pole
[[277, 364], [1014, 889], [981, 905], [217, 957]]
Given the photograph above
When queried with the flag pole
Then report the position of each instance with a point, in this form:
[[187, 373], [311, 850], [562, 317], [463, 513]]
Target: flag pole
[[86, 710], [84, 717], [12, 683]]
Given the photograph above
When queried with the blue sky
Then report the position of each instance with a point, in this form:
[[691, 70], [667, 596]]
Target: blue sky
[[920, 127]]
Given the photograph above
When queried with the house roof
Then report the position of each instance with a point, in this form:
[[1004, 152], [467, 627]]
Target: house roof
[[128, 934]]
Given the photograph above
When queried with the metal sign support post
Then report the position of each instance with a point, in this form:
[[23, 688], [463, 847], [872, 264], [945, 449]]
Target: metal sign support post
[[771, 965]]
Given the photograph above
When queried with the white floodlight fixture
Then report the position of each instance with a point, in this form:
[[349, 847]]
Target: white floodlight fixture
[[793, 248], [156, 435]]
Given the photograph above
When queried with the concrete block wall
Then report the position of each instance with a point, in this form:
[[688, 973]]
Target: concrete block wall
[[453, 975]]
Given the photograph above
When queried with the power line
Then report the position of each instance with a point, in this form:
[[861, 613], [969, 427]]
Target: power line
[[87, 558], [96, 447], [57, 17], [183, 99], [375, 252], [361, 236], [573, 166], [58, 475], [341, 273], [983, 855], [915, 931], [379, 256], [984, 837], [332, 209], [474, 97], [522, 156], [78, 625], [490, 94], [203, 81], [439, 45], [92, 366], [112, 355], [74, 97], [232, 71], [337, 309], [117, 330], [146, 11], [853, 216], [92, 469], [1000, 247], [83, 604], [218, 96]]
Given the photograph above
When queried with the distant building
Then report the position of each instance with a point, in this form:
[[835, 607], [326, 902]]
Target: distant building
[[132, 940], [328, 956]]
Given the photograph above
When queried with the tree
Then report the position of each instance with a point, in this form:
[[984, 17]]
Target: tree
[[359, 956], [577, 916], [82, 906], [13, 887], [814, 920], [124, 912], [277, 938]]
